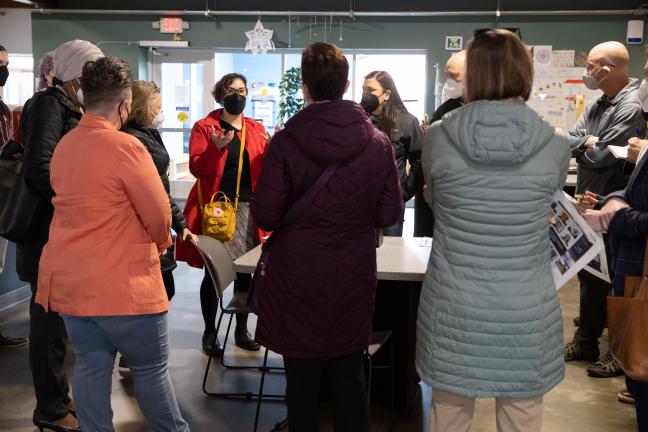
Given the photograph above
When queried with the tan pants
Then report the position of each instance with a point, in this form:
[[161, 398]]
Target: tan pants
[[453, 413]]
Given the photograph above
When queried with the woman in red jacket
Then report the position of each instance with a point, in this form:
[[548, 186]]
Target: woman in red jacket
[[214, 149]]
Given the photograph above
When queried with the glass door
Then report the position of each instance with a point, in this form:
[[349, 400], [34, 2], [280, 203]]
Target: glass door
[[185, 78]]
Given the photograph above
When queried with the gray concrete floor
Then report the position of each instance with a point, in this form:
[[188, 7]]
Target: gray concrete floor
[[578, 403]]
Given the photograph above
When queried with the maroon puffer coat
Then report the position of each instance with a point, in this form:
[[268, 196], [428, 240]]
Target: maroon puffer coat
[[319, 287]]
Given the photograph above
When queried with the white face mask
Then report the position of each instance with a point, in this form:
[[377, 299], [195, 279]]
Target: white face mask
[[642, 94], [79, 95], [591, 82], [452, 89], [157, 121]]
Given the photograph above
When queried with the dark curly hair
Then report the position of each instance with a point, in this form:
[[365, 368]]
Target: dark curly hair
[[106, 80], [325, 71], [223, 84]]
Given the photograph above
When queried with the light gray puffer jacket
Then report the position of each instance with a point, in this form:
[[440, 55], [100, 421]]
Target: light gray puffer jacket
[[489, 321]]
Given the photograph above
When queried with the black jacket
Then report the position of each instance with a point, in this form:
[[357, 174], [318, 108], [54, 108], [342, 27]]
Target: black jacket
[[153, 142], [46, 118], [407, 141], [423, 216]]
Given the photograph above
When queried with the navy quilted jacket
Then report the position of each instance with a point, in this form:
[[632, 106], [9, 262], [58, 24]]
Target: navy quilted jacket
[[318, 291]]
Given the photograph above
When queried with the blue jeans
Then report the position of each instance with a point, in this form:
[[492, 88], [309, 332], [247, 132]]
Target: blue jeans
[[142, 341]]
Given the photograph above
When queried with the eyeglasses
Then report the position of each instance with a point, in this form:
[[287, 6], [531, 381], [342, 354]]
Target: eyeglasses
[[231, 91], [155, 87], [515, 30], [590, 66]]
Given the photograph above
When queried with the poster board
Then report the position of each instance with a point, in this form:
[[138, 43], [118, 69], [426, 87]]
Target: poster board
[[560, 96]]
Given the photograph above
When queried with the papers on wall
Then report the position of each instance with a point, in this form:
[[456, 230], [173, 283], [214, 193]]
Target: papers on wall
[[619, 152], [562, 58], [560, 96], [541, 56], [573, 243]]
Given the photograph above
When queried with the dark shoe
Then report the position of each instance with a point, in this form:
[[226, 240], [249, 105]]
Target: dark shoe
[[574, 352], [66, 424], [12, 342], [577, 321], [607, 367], [210, 344], [626, 397], [124, 370], [244, 340]]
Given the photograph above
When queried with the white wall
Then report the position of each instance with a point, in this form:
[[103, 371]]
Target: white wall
[[16, 32]]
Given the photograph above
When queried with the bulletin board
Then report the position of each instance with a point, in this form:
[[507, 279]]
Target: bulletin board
[[560, 96]]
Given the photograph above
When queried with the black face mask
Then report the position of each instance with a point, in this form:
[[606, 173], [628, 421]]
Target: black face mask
[[234, 103], [4, 74], [370, 102]]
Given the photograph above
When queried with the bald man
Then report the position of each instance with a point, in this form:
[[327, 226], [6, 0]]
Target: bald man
[[612, 119], [452, 91]]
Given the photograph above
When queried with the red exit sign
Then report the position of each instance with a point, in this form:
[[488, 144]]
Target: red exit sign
[[171, 25]]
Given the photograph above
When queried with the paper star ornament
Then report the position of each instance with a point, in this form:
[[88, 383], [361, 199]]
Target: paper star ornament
[[259, 39]]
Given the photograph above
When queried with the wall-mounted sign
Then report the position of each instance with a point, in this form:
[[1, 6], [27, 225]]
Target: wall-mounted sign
[[171, 25], [454, 43]]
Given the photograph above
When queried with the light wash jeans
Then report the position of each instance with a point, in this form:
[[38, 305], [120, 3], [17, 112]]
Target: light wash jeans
[[143, 342]]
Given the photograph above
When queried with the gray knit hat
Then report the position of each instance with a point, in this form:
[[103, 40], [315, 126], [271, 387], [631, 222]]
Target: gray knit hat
[[70, 57]]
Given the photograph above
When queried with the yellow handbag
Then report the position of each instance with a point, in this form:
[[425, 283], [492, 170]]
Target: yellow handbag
[[219, 217]]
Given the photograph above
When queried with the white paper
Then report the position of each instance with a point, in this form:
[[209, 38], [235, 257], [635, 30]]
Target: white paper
[[619, 152], [573, 242], [425, 242], [562, 58], [598, 266], [542, 56]]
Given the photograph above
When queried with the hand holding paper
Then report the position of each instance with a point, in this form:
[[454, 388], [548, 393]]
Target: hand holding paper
[[619, 152]]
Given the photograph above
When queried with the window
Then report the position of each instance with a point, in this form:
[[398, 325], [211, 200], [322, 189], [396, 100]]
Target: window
[[20, 85], [407, 70]]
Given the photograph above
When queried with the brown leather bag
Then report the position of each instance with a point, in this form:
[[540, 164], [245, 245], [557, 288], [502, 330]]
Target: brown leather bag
[[628, 325]]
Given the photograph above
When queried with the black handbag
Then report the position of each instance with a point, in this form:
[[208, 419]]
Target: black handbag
[[167, 261], [22, 208]]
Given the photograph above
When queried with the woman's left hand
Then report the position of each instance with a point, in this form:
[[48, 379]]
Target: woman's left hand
[[188, 235]]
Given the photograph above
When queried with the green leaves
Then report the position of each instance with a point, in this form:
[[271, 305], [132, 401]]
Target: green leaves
[[289, 88]]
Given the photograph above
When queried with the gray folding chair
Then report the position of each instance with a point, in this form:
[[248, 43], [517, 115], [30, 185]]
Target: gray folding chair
[[220, 267]]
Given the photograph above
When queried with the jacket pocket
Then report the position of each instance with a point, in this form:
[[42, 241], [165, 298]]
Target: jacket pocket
[[144, 276]]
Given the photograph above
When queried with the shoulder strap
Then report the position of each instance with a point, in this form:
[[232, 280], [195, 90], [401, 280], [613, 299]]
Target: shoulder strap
[[305, 199], [240, 166]]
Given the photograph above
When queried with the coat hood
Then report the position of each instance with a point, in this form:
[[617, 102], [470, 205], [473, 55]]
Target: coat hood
[[331, 132], [497, 133]]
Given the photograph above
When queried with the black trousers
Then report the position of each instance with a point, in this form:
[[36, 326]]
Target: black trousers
[[209, 300], [639, 390], [47, 349], [347, 379], [593, 309]]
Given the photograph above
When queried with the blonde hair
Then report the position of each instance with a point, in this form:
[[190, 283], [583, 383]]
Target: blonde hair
[[498, 66], [144, 93]]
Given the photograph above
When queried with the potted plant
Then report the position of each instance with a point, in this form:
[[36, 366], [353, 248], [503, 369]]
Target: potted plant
[[290, 92]]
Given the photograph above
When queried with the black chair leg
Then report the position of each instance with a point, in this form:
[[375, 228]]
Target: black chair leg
[[370, 376], [391, 378], [258, 407], [229, 326]]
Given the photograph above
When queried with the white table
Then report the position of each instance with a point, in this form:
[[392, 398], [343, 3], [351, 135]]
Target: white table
[[398, 259], [401, 265]]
